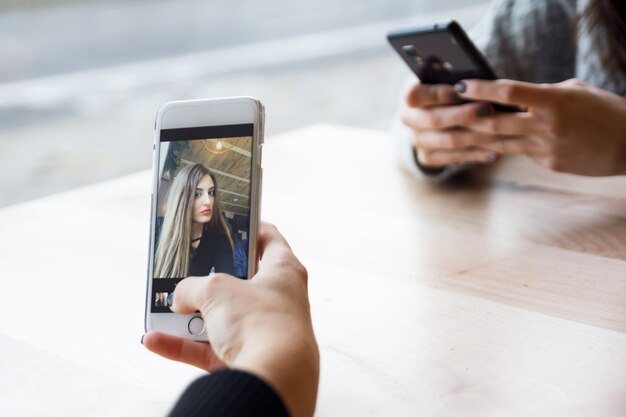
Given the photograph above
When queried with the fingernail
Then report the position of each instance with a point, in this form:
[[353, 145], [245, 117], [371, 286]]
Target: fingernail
[[142, 336], [484, 109], [460, 87], [492, 157]]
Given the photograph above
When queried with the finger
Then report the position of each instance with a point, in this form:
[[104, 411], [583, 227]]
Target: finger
[[278, 259], [441, 158], [445, 117], [510, 124], [195, 293], [512, 146], [272, 245], [503, 91], [183, 350], [452, 139], [424, 95]]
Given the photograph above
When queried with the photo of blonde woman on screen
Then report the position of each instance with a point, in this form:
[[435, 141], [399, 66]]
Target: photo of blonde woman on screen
[[194, 238]]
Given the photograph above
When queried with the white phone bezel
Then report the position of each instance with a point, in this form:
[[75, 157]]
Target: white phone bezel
[[201, 113]]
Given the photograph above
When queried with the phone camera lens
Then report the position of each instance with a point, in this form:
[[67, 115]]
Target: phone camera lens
[[410, 51]]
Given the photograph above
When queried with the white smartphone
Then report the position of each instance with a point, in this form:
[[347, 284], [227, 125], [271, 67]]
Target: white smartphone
[[205, 201]]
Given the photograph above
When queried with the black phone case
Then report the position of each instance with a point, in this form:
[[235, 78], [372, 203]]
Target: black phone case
[[442, 54]]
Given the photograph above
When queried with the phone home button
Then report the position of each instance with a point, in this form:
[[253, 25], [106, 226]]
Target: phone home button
[[196, 326]]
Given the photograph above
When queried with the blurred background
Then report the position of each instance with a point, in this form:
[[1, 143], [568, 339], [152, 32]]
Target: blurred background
[[81, 81]]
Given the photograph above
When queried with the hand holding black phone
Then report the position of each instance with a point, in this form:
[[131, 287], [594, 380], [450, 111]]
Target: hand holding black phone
[[442, 54]]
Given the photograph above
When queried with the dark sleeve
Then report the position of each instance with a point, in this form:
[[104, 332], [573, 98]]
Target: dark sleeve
[[229, 393]]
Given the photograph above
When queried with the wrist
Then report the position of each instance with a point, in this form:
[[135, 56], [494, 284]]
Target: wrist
[[289, 363]]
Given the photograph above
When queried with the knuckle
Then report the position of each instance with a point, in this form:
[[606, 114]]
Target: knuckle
[[301, 271], [406, 118], [492, 124], [215, 282], [563, 95], [227, 351], [287, 262], [212, 286], [408, 98], [443, 95], [554, 94], [554, 132], [267, 227], [452, 141], [434, 120], [414, 118], [557, 128], [425, 157], [498, 147], [510, 92], [420, 139], [446, 95], [285, 259], [433, 94], [572, 82], [413, 94]]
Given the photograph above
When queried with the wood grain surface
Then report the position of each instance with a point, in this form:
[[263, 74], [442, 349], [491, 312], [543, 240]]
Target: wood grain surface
[[502, 292]]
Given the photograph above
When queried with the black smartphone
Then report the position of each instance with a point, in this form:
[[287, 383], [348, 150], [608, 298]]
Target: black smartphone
[[442, 54]]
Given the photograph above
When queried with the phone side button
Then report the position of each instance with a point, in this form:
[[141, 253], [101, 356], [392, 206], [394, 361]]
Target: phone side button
[[196, 326]]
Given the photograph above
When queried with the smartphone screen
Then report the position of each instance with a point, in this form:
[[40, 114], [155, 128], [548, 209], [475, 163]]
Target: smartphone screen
[[202, 220]]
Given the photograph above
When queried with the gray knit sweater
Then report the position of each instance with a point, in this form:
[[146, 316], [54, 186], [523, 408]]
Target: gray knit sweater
[[535, 40]]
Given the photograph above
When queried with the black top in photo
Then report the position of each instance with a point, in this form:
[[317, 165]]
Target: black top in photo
[[214, 251]]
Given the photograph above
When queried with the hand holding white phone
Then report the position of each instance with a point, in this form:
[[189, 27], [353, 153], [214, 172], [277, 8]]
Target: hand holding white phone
[[262, 326], [205, 201]]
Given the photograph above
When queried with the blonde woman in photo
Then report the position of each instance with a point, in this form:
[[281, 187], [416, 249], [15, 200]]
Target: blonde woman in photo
[[194, 238]]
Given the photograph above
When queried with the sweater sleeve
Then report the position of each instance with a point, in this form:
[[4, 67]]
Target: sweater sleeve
[[229, 393], [529, 40]]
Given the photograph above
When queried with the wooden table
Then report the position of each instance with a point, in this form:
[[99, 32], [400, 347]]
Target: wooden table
[[502, 293]]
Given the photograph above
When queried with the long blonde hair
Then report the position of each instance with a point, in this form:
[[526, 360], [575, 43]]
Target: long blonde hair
[[174, 247]]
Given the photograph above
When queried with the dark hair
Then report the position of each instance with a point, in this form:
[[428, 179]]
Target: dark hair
[[605, 21]]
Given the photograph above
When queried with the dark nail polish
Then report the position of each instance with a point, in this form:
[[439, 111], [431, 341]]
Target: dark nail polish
[[460, 87], [484, 110], [142, 336]]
